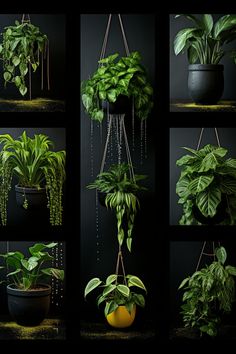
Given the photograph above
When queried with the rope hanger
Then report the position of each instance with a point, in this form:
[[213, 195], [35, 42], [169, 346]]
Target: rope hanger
[[25, 18]]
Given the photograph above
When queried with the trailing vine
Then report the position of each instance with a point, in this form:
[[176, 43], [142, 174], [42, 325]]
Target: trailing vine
[[5, 187]]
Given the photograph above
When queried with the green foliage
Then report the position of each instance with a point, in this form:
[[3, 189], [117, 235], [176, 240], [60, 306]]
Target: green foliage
[[120, 192], [26, 273], [208, 293], [205, 40], [116, 294], [206, 177], [20, 48], [35, 166], [123, 77]]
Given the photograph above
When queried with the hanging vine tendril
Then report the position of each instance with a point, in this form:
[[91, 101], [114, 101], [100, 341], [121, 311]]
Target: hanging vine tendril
[[5, 187]]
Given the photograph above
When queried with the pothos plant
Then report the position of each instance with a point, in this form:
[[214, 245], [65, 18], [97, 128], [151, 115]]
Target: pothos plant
[[35, 166], [204, 42], [121, 196], [116, 291], [26, 272], [20, 50], [208, 294], [206, 185], [125, 76]]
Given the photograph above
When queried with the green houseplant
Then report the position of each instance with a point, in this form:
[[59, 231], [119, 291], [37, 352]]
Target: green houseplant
[[204, 43], [121, 195], [119, 297], [22, 46], [28, 298], [207, 186], [116, 78], [38, 169], [208, 294]]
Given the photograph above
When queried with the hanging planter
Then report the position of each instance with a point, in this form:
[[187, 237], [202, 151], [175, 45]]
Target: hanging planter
[[28, 298], [115, 80], [22, 50], [37, 168], [209, 293], [207, 186], [204, 44]]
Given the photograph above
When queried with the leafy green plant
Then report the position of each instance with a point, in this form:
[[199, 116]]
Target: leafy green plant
[[20, 50], [208, 294], [205, 40], [35, 166], [207, 181], [120, 192], [26, 272], [116, 294], [123, 77]]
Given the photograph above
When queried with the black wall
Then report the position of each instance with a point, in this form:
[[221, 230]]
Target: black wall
[[57, 306], [16, 215], [179, 64], [54, 26], [98, 255], [188, 137]]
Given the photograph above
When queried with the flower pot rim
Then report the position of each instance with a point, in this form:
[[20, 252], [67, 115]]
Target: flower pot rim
[[29, 189], [206, 67], [45, 290]]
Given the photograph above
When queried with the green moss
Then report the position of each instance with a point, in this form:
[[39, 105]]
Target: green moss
[[219, 106], [37, 104]]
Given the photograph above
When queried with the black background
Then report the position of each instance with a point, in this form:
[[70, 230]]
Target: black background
[[160, 236]]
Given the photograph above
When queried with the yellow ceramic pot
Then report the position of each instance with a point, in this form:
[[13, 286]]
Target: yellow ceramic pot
[[121, 318]]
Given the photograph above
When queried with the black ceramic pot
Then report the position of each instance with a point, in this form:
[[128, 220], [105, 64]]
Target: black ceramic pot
[[102, 198], [36, 198], [220, 215], [121, 106], [29, 308], [206, 83]]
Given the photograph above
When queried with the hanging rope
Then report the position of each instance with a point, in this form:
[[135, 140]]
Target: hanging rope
[[118, 262], [25, 18], [203, 253], [200, 137]]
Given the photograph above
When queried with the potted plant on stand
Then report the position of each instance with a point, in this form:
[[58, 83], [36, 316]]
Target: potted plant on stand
[[28, 297], [208, 294], [204, 46], [114, 83], [207, 186], [40, 173]]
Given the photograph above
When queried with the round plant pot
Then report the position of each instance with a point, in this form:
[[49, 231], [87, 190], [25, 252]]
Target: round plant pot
[[121, 318], [29, 307], [121, 106], [220, 215], [36, 198], [206, 83]]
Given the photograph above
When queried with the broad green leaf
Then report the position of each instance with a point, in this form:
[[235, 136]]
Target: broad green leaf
[[210, 161], [184, 282], [207, 22], [34, 66], [111, 95], [98, 115], [92, 284], [139, 299], [26, 283], [224, 23], [180, 42], [23, 69], [23, 89], [123, 289], [221, 254], [208, 201], [192, 55], [57, 273], [100, 299], [102, 95], [200, 183], [186, 160], [231, 270], [228, 185], [129, 243], [129, 306], [37, 247], [110, 307], [7, 76], [108, 289], [1, 48], [32, 262], [16, 61], [231, 163], [182, 187], [191, 17], [8, 32], [87, 101], [13, 273], [111, 278], [135, 281]]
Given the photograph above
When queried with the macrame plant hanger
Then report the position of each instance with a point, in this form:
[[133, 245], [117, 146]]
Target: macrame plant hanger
[[207, 244], [44, 56]]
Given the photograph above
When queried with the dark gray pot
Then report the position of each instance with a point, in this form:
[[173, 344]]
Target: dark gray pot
[[36, 198], [29, 308], [122, 105], [206, 83]]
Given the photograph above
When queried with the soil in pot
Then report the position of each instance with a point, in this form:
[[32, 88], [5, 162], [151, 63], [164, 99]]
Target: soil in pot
[[206, 83], [33, 197], [120, 106], [121, 318], [220, 215], [29, 308]]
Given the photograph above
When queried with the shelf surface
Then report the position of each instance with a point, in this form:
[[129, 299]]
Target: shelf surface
[[189, 106]]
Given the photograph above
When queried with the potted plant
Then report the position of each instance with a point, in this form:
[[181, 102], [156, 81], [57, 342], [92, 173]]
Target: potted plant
[[115, 81], [120, 194], [208, 294], [207, 186], [204, 45], [23, 44], [121, 301], [28, 298], [40, 173]]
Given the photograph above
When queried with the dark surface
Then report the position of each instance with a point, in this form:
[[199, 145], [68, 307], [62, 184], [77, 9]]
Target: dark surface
[[34, 105], [182, 334], [190, 106]]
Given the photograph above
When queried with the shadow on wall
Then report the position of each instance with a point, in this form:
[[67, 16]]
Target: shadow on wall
[[188, 137], [179, 64]]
